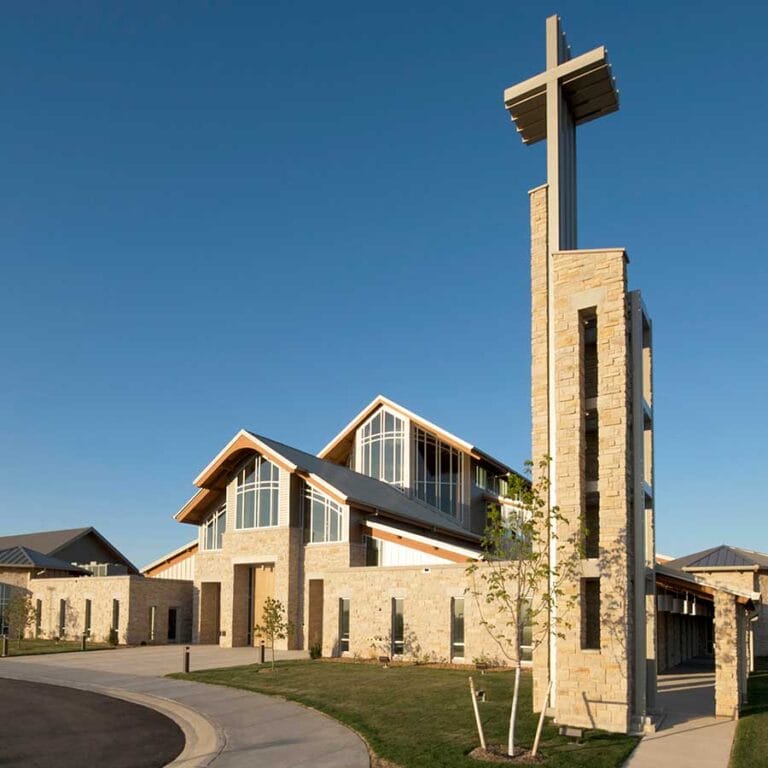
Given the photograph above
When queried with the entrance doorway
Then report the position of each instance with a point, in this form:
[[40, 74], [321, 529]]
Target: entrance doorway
[[210, 611], [261, 586], [172, 625]]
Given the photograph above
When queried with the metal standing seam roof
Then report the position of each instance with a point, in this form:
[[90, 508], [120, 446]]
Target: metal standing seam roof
[[723, 556], [369, 491], [43, 541], [24, 557]]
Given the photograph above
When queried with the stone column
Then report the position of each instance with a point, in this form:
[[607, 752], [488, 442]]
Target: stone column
[[727, 672]]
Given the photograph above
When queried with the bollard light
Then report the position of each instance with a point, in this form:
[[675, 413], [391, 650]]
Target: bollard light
[[186, 658], [261, 652]]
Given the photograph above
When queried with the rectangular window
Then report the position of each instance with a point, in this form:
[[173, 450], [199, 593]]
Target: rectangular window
[[457, 628], [152, 616], [398, 627], [343, 625], [590, 614], [62, 617], [590, 432], [115, 615], [38, 617], [526, 632], [592, 526], [87, 622], [5, 598], [258, 487], [438, 473]]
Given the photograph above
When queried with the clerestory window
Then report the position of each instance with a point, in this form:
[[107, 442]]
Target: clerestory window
[[438, 473], [214, 527], [322, 517], [382, 448], [258, 487]]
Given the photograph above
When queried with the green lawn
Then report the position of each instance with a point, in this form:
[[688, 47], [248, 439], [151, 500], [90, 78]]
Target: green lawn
[[31, 647], [420, 717], [750, 747]]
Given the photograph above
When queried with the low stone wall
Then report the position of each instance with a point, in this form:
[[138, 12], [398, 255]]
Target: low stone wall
[[134, 595]]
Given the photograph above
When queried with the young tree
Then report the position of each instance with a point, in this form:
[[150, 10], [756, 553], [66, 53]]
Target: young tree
[[274, 625], [19, 614], [517, 585]]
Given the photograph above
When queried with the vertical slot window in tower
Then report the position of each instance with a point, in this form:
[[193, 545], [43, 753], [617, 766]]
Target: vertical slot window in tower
[[589, 399], [398, 627], [590, 614]]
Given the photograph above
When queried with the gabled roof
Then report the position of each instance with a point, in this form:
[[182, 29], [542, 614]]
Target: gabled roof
[[23, 557], [180, 553], [367, 491], [684, 580], [722, 557], [347, 434], [44, 541], [52, 542], [344, 484]]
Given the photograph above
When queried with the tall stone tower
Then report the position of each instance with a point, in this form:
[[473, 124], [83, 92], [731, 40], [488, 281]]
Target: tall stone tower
[[592, 407]]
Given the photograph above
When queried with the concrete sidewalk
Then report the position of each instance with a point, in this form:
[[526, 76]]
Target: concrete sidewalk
[[224, 727], [689, 736]]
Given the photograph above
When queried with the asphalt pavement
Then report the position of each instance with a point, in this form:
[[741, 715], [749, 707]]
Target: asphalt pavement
[[50, 726]]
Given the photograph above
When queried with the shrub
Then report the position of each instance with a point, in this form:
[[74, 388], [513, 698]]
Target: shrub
[[315, 651]]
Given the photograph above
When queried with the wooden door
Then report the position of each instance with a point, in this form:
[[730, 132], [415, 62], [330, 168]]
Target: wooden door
[[263, 587]]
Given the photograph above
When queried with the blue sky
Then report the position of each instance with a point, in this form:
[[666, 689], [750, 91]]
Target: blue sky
[[225, 215]]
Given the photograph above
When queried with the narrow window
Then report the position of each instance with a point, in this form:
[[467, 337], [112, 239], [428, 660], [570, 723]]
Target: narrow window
[[5, 598], [322, 517], [38, 617], [152, 615], [62, 617], [343, 625], [589, 390], [87, 623], [526, 632], [115, 615], [590, 614], [398, 627], [457, 628], [214, 527]]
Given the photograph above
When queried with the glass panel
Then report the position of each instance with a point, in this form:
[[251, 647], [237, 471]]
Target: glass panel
[[398, 627], [457, 627], [334, 512], [239, 512], [389, 422], [389, 461], [343, 625], [249, 474], [249, 498], [375, 459], [265, 507], [318, 520], [376, 424]]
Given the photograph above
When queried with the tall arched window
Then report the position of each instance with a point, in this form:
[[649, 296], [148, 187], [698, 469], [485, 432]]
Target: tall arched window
[[322, 517], [382, 448], [258, 485]]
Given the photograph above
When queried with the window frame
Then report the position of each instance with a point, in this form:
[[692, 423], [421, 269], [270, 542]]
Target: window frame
[[312, 496], [398, 436], [257, 487], [215, 525]]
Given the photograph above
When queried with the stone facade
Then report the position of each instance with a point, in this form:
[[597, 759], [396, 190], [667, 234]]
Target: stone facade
[[593, 687], [135, 596], [730, 657]]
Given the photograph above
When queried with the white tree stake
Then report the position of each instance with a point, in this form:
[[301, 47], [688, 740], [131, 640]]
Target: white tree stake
[[513, 712], [541, 721], [477, 713]]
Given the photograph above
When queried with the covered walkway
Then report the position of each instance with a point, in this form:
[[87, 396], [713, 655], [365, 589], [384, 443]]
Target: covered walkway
[[689, 736]]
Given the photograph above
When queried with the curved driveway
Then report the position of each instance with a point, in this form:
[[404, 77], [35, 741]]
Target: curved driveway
[[57, 727], [224, 727]]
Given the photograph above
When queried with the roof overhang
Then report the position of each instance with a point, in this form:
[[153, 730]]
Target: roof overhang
[[171, 558], [718, 568], [677, 579], [442, 549]]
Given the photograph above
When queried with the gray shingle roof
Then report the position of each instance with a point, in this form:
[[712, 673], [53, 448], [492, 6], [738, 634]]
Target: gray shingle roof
[[43, 541], [723, 556], [370, 492], [23, 557]]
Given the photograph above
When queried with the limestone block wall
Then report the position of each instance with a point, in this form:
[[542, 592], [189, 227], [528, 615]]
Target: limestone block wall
[[427, 594], [279, 545], [135, 595], [761, 630], [729, 656], [15, 577]]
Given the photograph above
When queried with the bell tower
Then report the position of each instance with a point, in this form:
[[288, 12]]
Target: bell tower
[[592, 409]]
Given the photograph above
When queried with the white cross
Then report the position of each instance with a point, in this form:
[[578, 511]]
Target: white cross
[[549, 106]]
